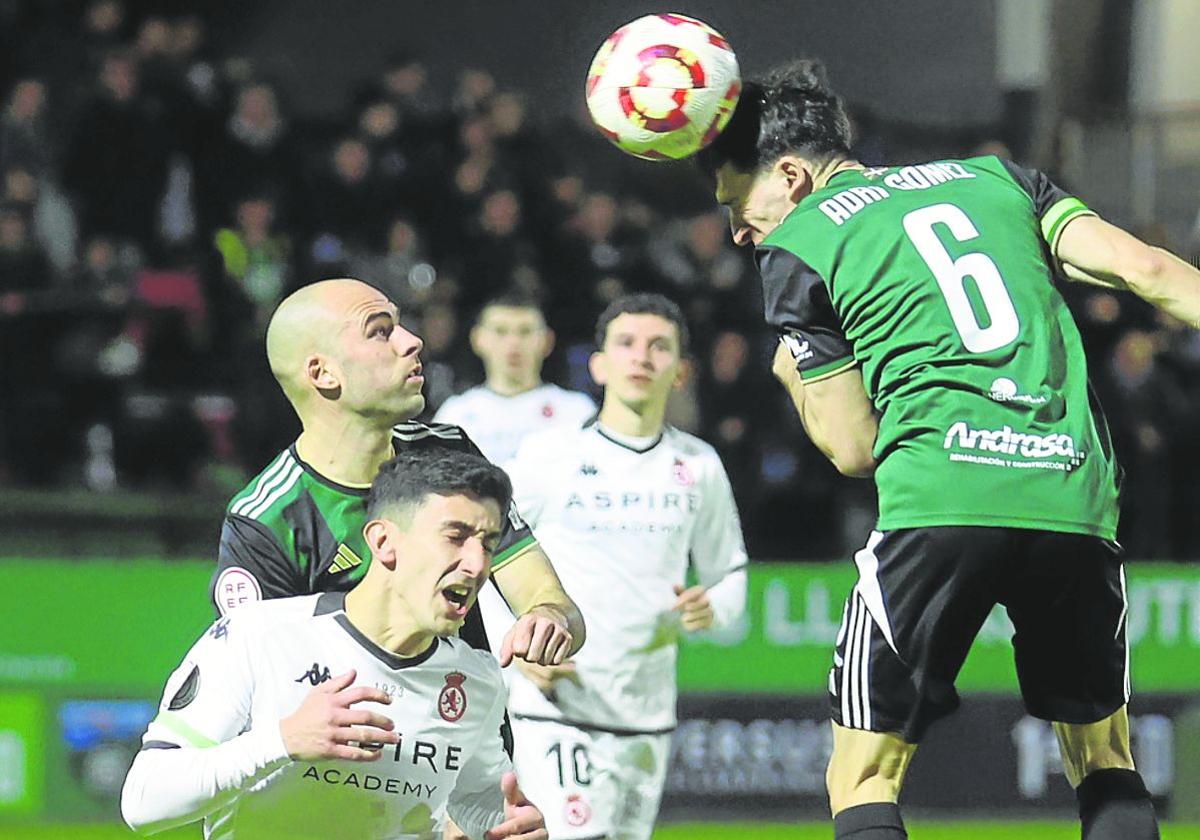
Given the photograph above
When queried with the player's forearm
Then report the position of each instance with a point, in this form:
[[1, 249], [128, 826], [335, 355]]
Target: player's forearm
[[166, 788], [476, 811], [728, 598], [848, 445], [530, 582]]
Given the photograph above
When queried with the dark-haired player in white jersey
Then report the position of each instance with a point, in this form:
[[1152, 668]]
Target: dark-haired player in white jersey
[[512, 339], [350, 714], [627, 502]]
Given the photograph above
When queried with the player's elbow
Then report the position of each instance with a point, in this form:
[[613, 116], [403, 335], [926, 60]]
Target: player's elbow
[[853, 460], [1144, 268], [131, 805]]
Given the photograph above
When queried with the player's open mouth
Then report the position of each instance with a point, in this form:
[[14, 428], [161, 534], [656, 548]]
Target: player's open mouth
[[458, 596]]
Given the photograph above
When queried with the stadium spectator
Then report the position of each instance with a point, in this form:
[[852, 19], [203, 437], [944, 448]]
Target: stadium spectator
[[116, 159]]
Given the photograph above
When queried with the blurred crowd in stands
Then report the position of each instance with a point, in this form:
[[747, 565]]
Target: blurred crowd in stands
[[158, 198]]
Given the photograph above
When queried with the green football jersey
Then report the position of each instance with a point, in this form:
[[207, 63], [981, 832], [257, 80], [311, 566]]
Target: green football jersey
[[937, 280], [292, 531]]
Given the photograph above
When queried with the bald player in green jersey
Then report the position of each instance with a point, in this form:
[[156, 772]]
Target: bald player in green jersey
[[353, 375], [923, 342]]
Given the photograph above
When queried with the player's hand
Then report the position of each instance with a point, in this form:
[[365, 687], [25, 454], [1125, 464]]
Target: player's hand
[[694, 608], [325, 726], [544, 677], [541, 635], [522, 819]]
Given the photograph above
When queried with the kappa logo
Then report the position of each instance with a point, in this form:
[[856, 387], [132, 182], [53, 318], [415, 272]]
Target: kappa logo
[[315, 675], [220, 630], [452, 702], [588, 469]]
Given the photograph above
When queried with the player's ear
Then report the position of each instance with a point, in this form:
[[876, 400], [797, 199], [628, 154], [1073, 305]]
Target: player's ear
[[321, 374], [686, 369], [598, 368], [477, 340], [379, 539], [547, 342], [797, 177]]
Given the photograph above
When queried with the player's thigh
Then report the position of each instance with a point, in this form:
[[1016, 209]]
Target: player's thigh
[[641, 762], [1088, 747], [569, 775], [1068, 608], [921, 596], [866, 767]]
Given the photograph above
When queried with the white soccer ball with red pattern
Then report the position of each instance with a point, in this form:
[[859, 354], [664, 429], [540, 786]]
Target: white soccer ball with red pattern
[[663, 86]]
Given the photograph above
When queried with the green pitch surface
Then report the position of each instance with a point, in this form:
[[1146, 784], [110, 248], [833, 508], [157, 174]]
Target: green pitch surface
[[917, 830]]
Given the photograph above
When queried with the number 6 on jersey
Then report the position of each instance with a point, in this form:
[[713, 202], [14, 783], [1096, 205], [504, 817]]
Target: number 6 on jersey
[[951, 275]]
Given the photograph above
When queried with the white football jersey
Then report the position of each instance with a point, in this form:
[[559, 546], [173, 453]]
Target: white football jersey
[[621, 525], [497, 423], [257, 665]]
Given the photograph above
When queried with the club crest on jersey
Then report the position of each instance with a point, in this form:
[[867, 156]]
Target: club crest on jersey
[[682, 474], [577, 812], [548, 410], [452, 702]]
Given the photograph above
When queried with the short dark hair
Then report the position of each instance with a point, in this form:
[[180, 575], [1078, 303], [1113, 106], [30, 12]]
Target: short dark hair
[[791, 110], [643, 303], [513, 299], [412, 475]]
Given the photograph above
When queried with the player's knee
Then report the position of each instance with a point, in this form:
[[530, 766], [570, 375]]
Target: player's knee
[[1089, 747]]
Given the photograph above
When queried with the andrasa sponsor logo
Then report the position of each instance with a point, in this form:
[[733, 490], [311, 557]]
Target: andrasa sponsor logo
[[1006, 441]]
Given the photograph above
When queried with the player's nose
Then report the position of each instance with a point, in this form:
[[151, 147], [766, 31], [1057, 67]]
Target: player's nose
[[407, 344], [473, 559]]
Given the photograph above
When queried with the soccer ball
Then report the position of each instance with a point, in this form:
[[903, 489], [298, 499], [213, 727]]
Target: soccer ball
[[663, 86]]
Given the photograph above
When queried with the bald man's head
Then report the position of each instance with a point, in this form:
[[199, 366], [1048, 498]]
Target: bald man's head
[[339, 340]]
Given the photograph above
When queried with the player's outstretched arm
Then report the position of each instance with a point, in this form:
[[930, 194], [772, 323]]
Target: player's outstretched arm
[[1093, 251], [550, 627], [836, 412]]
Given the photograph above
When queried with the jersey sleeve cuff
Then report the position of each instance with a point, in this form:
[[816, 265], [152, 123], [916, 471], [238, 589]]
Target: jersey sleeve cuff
[[513, 552], [1056, 218], [825, 371]]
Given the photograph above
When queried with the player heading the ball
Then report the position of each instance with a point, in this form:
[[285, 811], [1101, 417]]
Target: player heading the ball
[[923, 341]]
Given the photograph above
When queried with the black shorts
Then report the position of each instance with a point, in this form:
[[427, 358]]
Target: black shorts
[[922, 596]]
